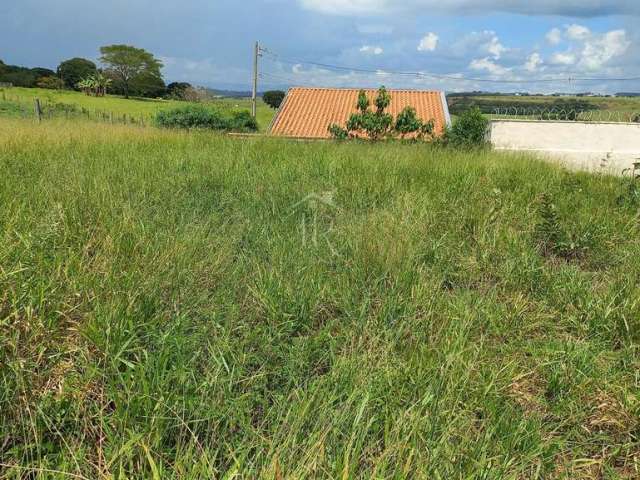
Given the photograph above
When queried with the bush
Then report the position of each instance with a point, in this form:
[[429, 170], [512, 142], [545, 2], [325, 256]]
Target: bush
[[199, 116], [52, 83], [469, 130], [273, 98], [242, 122]]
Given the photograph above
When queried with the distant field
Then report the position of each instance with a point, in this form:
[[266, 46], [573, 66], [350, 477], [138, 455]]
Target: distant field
[[591, 108], [19, 102], [188, 305]]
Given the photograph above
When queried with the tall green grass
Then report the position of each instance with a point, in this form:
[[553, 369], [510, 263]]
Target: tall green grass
[[169, 309]]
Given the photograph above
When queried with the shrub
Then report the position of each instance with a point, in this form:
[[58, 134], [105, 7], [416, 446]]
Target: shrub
[[337, 132], [242, 122], [52, 83], [199, 116], [273, 98], [469, 130]]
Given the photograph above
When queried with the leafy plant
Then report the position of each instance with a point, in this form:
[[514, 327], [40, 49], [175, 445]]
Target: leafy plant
[[469, 130], [408, 122], [95, 84], [199, 116], [378, 124], [553, 239], [337, 132]]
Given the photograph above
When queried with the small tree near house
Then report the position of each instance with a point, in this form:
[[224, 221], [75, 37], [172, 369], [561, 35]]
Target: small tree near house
[[377, 124]]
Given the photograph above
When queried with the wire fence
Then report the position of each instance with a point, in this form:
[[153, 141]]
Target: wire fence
[[20, 107], [565, 115]]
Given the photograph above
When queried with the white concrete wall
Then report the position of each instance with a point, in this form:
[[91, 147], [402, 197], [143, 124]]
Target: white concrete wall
[[610, 147]]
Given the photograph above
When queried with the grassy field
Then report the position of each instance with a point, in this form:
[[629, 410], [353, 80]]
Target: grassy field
[[18, 102], [615, 109], [195, 306], [623, 104]]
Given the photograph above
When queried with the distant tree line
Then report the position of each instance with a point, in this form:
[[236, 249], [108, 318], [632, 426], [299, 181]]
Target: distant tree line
[[124, 70]]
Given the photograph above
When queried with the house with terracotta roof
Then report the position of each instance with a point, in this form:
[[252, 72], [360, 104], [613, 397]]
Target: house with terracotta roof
[[307, 112]]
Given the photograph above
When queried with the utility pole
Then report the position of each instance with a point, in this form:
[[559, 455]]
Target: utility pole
[[254, 95]]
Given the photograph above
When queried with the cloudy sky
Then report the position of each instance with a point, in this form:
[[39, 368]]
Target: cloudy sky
[[533, 45]]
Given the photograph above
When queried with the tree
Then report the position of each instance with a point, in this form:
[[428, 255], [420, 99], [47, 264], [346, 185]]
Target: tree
[[377, 124], [273, 98], [74, 70], [127, 64], [95, 84], [408, 123], [176, 90]]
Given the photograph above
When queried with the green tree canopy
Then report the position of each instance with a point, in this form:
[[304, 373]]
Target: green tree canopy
[[273, 98], [128, 65], [74, 70], [177, 89]]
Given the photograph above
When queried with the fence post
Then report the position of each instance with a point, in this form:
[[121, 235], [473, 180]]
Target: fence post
[[38, 109]]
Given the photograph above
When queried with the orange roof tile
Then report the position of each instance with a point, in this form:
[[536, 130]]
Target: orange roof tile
[[308, 112]]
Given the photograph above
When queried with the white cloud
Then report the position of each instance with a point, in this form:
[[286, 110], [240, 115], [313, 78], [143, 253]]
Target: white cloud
[[563, 58], [554, 36], [485, 43], [578, 32], [371, 50], [600, 49], [494, 46], [488, 65], [428, 43], [533, 62]]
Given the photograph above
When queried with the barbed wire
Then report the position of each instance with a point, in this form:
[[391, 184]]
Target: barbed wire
[[566, 115]]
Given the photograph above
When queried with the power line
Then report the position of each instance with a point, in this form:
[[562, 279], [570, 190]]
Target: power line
[[570, 78]]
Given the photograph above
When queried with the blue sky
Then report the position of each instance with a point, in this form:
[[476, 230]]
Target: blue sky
[[209, 42]]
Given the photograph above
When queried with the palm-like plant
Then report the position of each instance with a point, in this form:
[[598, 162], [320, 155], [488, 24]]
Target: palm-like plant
[[95, 84], [86, 85], [101, 83]]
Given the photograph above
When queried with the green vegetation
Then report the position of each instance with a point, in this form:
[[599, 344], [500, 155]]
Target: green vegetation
[[73, 71], [177, 90], [200, 116], [273, 98], [593, 108], [469, 130], [133, 70], [176, 305], [21, 76], [378, 124], [111, 106]]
